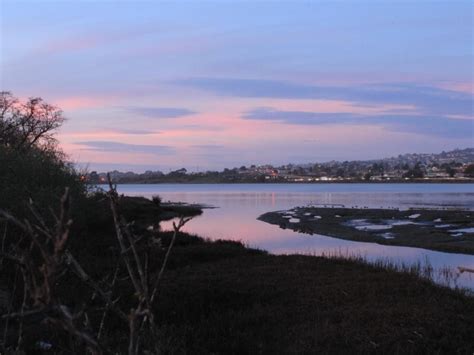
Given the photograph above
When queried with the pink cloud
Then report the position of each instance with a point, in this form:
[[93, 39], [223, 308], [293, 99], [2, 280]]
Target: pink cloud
[[467, 87], [75, 102], [72, 44], [334, 106], [80, 102], [107, 134]]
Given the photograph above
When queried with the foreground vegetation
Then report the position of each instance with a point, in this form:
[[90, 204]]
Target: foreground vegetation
[[223, 298], [87, 271], [233, 300]]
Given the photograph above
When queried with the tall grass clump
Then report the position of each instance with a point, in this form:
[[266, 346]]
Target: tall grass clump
[[423, 269]]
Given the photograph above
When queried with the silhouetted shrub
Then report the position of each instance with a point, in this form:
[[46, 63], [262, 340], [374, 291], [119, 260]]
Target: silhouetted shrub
[[157, 200]]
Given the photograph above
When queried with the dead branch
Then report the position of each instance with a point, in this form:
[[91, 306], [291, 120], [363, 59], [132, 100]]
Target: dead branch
[[176, 229], [41, 257], [113, 197], [41, 263]]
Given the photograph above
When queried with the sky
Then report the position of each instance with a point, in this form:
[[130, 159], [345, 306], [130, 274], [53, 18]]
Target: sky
[[152, 85]]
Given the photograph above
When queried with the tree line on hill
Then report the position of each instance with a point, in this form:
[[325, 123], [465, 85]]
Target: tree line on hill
[[457, 165]]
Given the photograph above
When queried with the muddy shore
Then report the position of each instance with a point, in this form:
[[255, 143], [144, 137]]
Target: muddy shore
[[442, 230]]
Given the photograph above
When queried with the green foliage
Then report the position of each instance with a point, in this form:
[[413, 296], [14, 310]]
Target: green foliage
[[32, 168], [450, 171], [40, 176], [415, 173], [469, 171], [157, 200]]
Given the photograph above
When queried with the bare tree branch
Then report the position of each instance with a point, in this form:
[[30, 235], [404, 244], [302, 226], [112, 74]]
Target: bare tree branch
[[28, 124]]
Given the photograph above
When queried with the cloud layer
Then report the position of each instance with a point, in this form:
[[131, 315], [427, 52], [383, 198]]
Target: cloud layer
[[160, 112], [440, 126], [425, 98], [117, 147], [194, 84]]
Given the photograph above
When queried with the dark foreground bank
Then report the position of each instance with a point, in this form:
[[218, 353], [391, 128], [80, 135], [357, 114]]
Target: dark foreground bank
[[224, 298]]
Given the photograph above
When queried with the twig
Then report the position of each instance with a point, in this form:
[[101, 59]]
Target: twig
[[108, 304], [79, 271], [10, 307], [4, 236], [176, 229], [22, 311], [118, 232], [41, 262]]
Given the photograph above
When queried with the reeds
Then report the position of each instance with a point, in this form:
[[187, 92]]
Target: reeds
[[444, 276]]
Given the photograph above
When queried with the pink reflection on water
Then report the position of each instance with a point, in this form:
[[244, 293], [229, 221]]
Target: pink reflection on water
[[235, 218]]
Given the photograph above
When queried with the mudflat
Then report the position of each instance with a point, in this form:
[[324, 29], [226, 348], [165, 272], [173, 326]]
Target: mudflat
[[435, 229]]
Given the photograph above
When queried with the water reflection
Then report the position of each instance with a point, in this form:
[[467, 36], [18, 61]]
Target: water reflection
[[240, 205]]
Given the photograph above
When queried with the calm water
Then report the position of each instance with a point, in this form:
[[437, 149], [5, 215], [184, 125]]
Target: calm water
[[239, 205]]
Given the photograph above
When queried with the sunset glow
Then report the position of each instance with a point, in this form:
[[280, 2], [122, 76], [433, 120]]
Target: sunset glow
[[170, 85]]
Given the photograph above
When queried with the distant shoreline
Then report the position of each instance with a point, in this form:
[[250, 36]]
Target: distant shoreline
[[431, 181]]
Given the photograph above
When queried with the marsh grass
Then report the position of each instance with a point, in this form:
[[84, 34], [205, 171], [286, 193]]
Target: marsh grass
[[222, 297], [444, 276]]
